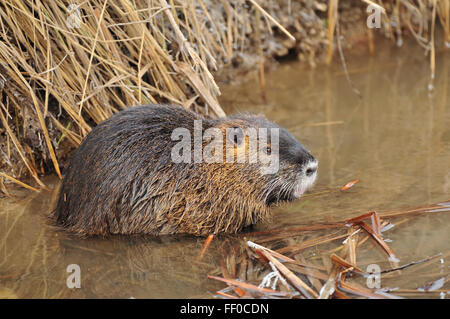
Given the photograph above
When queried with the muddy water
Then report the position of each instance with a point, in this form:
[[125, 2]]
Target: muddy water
[[395, 139]]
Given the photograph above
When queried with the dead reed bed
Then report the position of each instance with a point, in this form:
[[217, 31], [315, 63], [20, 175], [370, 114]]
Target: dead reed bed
[[65, 67], [274, 263]]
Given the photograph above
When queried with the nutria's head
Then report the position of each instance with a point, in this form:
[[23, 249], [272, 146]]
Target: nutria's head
[[285, 167]]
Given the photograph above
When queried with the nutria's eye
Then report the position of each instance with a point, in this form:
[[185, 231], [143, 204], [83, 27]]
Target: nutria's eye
[[235, 135]]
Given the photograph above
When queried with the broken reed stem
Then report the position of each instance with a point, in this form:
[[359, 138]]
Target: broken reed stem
[[445, 20], [262, 80], [433, 49], [19, 182]]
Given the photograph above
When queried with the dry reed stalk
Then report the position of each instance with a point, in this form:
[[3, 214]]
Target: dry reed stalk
[[379, 241], [443, 9], [19, 182], [352, 240], [433, 48], [262, 79], [332, 16], [268, 16], [362, 241]]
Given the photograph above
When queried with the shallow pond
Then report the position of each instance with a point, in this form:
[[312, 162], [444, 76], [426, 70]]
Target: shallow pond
[[395, 139]]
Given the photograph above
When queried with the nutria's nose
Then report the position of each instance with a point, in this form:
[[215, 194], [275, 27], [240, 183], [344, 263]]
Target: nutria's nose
[[311, 168]]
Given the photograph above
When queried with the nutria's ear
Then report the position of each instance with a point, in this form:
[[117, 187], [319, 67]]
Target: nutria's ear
[[235, 135]]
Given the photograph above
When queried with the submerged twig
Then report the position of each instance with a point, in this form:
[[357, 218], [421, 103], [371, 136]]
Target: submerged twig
[[410, 264], [205, 246]]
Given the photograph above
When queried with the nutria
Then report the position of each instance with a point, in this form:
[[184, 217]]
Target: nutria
[[123, 178]]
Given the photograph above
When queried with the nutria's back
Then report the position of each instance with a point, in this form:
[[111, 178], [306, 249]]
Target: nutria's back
[[131, 174]]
